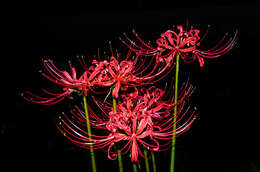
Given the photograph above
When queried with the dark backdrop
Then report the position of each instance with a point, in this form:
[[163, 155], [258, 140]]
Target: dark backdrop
[[225, 136]]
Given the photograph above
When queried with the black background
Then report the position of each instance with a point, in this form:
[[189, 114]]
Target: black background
[[225, 136]]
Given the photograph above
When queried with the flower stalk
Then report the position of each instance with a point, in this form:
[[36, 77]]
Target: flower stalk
[[92, 155], [175, 112], [120, 162], [134, 167], [154, 164], [146, 161]]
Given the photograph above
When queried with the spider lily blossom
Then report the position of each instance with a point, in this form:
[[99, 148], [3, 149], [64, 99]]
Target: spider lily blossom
[[185, 43], [69, 82], [142, 121], [126, 74], [117, 74], [63, 78]]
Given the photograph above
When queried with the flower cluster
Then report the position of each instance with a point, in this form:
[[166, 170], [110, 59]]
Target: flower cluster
[[145, 117], [141, 121], [100, 74]]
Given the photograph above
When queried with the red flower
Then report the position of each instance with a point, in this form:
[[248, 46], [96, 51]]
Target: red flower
[[124, 74], [118, 74], [185, 43], [63, 78], [69, 82], [142, 121]]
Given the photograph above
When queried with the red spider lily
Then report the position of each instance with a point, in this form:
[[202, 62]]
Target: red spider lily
[[71, 83], [184, 43], [63, 78], [117, 74], [141, 121], [126, 73]]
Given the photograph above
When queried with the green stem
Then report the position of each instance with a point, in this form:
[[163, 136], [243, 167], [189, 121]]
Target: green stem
[[114, 105], [120, 162], [175, 112], [154, 164], [146, 161], [92, 155], [134, 167]]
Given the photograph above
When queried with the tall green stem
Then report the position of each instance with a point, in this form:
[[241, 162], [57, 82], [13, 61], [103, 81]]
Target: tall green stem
[[175, 112], [134, 167], [146, 161], [154, 164], [120, 162], [92, 155]]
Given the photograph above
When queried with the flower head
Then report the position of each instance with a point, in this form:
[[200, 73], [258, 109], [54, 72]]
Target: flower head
[[65, 79], [118, 75], [143, 119], [183, 42], [70, 82], [128, 73]]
